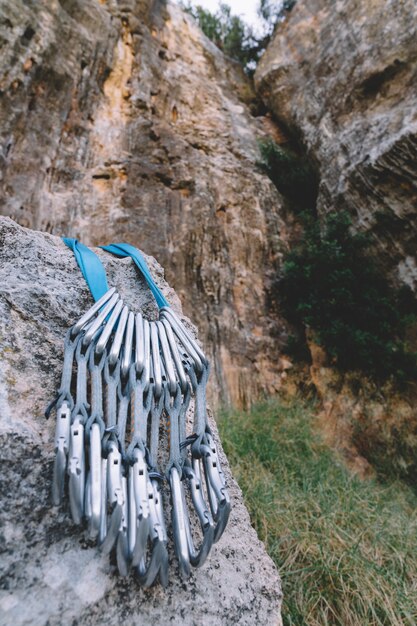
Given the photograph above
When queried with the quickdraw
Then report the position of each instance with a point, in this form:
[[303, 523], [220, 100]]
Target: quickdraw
[[108, 452]]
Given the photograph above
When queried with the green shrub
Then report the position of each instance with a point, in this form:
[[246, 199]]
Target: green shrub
[[231, 34], [332, 286], [272, 12], [291, 174], [346, 548]]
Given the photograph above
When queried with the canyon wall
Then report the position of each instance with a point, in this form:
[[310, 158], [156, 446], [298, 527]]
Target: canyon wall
[[342, 76], [120, 121]]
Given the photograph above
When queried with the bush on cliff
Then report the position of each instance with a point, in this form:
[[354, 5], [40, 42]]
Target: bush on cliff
[[332, 286], [229, 32], [291, 174], [233, 35]]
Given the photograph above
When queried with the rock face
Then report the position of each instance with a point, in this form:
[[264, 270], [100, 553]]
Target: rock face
[[50, 573], [342, 75], [121, 121], [372, 426]]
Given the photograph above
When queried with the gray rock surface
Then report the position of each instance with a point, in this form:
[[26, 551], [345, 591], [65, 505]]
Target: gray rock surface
[[122, 121], [342, 75], [50, 572]]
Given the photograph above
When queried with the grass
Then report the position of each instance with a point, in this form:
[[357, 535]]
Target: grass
[[346, 548]]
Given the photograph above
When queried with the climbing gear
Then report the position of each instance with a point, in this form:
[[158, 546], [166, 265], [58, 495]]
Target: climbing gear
[[203, 448], [134, 381]]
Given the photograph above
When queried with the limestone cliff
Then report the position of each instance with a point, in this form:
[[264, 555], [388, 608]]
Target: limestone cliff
[[121, 121], [343, 77]]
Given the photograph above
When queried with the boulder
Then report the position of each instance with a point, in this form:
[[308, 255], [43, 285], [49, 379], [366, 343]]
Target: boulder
[[51, 573]]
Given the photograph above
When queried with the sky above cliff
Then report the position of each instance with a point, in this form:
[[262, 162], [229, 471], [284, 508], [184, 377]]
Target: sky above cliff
[[244, 8]]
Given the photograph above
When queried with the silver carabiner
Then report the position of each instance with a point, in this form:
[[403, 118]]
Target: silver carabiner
[[139, 344], [122, 549], [108, 329], [216, 487], [158, 561], [76, 470], [146, 370], [156, 361], [178, 522], [118, 338], [95, 480], [163, 556], [103, 517], [132, 513], [139, 477], [185, 338], [175, 355], [115, 496], [62, 439], [128, 345], [78, 326], [167, 360], [97, 323], [199, 556], [87, 498]]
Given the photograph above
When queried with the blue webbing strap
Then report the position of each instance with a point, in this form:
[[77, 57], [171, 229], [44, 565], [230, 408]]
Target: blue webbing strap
[[125, 249], [91, 267]]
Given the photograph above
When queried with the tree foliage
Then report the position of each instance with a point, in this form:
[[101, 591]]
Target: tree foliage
[[230, 32], [292, 175], [333, 286], [272, 13]]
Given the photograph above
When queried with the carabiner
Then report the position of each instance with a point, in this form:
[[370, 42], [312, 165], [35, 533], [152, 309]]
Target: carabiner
[[179, 365], [198, 556], [216, 487], [118, 338], [62, 440], [103, 517], [78, 326], [128, 345], [115, 496], [163, 556], [76, 470], [122, 549], [190, 344], [178, 522], [108, 329], [139, 476], [95, 480], [158, 561], [97, 323], [167, 360], [156, 361]]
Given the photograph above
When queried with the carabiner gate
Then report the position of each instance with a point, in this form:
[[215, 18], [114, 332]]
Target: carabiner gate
[[62, 440], [76, 470]]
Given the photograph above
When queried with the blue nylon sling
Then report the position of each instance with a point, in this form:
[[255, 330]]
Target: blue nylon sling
[[91, 267], [124, 250]]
